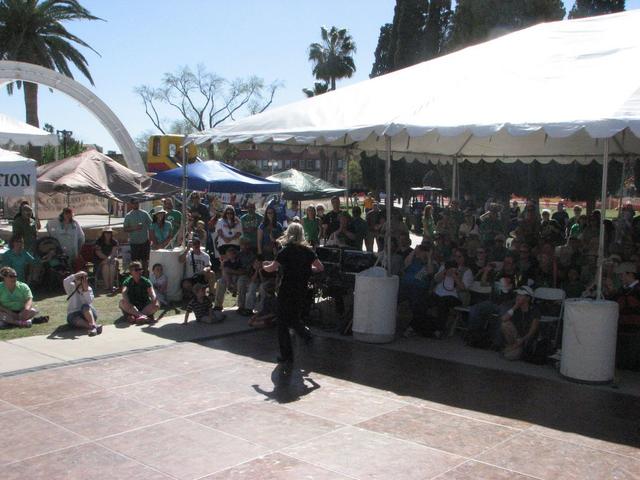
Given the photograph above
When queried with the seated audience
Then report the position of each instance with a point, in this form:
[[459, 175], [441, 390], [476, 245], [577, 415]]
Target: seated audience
[[18, 258], [106, 251], [160, 283], [268, 311], [484, 317], [80, 310], [453, 278], [201, 306], [16, 300], [139, 301], [628, 297], [519, 325], [415, 282]]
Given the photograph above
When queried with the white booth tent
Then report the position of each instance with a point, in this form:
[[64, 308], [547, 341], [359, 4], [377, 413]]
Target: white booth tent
[[566, 91], [17, 175], [20, 133]]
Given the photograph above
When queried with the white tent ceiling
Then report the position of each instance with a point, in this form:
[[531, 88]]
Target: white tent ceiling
[[549, 92], [20, 133]]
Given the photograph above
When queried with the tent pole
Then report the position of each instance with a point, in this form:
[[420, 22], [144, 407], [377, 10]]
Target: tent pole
[[389, 203], [347, 158], [184, 194], [454, 180], [603, 213]]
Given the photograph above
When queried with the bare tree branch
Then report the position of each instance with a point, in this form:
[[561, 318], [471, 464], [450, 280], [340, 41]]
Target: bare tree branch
[[203, 99]]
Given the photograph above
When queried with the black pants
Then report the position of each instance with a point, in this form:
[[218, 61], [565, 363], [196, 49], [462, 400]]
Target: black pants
[[443, 305], [290, 307]]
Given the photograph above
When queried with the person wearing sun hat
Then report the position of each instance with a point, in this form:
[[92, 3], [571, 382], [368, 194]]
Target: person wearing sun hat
[[160, 230], [519, 325]]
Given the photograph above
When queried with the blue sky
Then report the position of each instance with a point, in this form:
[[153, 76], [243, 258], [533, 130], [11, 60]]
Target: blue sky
[[142, 39]]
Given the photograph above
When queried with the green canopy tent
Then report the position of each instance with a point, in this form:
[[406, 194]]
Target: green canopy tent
[[297, 185]]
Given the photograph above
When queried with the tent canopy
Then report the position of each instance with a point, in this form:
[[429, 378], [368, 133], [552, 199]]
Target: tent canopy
[[214, 176], [20, 133], [17, 174], [95, 173], [549, 92], [297, 185]]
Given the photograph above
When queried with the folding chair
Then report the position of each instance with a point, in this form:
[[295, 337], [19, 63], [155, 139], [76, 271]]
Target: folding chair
[[556, 296], [477, 293]]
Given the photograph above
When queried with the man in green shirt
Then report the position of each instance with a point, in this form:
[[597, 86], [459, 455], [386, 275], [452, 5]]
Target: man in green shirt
[[16, 300], [250, 223], [18, 258], [136, 224], [174, 217], [139, 301]]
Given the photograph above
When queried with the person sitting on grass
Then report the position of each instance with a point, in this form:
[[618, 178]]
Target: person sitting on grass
[[139, 301], [160, 283], [80, 310], [200, 304], [269, 309], [16, 301], [18, 258]]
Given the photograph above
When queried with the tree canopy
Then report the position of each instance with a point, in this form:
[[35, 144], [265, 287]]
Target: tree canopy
[[590, 8], [333, 57], [32, 31]]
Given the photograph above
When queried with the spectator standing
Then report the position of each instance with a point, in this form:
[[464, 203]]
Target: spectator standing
[[331, 220], [198, 210], [80, 310], [160, 231], [311, 225], [106, 251], [250, 223], [561, 216], [26, 227], [136, 224], [268, 232], [359, 228], [160, 283], [373, 228], [175, 218], [428, 223], [68, 233]]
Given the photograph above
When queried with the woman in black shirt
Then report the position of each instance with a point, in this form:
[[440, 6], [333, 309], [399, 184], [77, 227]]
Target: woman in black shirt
[[298, 261]]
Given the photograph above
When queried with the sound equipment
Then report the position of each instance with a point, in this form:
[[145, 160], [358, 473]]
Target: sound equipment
[[330, 256], [355, 261]]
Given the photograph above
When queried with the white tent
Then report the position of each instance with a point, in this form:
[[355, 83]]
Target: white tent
[[20, 133], [17, 175], [565, 91]]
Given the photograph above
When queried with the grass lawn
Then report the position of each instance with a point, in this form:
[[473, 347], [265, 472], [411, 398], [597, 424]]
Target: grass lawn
[[55, 306]]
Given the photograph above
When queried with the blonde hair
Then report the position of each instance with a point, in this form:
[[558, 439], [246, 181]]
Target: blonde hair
[[293, 235]]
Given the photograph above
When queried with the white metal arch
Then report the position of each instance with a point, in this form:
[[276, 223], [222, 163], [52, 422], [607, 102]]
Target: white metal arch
[[11, 71]]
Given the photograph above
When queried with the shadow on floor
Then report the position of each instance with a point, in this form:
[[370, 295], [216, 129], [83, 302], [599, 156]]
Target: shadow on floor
[[581, 409]]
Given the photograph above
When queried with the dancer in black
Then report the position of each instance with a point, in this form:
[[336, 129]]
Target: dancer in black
[[298, 261]]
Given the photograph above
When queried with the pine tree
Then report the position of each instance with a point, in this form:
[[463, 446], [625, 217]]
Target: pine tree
[[476, 21], [591, 8], [417, 34]]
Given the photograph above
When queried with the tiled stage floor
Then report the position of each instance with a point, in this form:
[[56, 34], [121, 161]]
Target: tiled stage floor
[[222, 410]]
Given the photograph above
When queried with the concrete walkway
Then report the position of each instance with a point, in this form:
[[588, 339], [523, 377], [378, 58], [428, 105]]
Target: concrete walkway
[[22, 354]]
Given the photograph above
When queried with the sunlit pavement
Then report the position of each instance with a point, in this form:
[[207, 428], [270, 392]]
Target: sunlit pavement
[[223, 409]]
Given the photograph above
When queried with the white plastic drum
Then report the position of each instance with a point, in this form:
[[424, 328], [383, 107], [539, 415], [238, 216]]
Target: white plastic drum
[[589, 340], [173, 269], [375, 306]]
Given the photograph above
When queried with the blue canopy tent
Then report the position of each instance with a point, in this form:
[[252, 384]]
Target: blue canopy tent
[[218, 177]]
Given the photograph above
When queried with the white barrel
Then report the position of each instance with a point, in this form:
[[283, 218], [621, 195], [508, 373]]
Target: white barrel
[[374, 306], [172, 268], [589, 340]]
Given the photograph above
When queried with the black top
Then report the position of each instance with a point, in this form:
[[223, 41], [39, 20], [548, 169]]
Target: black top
[[106, 247], [332, 219], [296, 261]]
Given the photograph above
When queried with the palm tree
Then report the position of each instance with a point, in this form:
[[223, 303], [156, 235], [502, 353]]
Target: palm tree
[[31, 31], [318, 89], [333, 58]]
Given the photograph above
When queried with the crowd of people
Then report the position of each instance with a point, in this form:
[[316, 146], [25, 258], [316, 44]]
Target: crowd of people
[[510, 248]]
